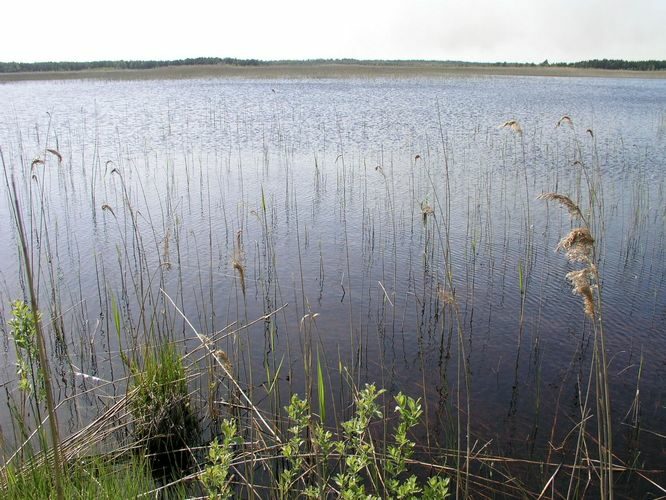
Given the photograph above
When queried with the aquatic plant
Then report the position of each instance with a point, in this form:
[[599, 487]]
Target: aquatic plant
[[579, 248], [165, 422]]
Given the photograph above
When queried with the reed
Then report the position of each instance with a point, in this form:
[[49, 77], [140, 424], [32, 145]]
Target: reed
[[579, 248], [39, 334]]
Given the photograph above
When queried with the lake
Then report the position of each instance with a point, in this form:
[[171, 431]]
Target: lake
[[395, 220]]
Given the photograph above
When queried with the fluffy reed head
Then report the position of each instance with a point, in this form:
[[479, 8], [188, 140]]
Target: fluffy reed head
[[577, 245], [513, 125], [426, 210], [580, 281], [565, 201]]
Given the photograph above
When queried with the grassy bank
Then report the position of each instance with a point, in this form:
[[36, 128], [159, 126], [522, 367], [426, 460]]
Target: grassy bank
[[272, 71]]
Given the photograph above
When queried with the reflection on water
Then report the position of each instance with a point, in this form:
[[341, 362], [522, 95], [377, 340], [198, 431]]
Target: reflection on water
[[315, 188]]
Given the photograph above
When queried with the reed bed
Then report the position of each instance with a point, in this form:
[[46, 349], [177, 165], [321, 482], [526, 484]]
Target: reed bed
[[307, 285]]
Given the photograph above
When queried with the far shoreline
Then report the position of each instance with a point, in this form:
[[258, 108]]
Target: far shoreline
[[325, 70]]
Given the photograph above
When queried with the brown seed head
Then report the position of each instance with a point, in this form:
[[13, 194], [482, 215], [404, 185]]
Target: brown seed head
[[56, 154], [565, 201], [580, 281], [566, 119], [513, 125], [578, 245]]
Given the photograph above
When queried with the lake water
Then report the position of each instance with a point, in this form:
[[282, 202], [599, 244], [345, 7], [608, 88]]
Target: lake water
[[323, 183]]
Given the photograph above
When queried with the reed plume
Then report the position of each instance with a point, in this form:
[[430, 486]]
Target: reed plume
[[581, 282], [577, 245], [563, 200], [56, 154], [223, 359], [106, 206], [566, 119], [426, 210], [165, 250], [237, 261], [513, 125]]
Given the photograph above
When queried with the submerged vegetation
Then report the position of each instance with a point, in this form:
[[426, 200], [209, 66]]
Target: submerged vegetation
[[267, 323]]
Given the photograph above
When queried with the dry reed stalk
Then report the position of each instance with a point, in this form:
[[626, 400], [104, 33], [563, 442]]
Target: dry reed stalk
[[258, 418]]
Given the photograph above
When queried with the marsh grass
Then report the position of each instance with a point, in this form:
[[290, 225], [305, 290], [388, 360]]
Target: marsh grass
[[89, 477], [166, 424]]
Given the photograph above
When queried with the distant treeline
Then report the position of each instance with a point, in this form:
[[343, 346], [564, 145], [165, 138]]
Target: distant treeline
[[650, 65], [15, 67]]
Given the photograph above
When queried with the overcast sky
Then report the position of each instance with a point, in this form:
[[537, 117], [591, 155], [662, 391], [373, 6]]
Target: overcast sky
[[470, 30]]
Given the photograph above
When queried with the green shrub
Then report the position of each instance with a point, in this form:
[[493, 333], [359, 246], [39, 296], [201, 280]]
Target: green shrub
[[216, 476]]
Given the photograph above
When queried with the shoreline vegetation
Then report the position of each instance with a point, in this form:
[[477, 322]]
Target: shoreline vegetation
[[320, 68]]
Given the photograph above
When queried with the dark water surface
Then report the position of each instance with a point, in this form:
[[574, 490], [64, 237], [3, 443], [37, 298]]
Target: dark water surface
[[326, 180]]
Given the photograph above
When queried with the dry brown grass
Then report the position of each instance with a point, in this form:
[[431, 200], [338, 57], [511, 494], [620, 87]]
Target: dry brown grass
[[325, 70]]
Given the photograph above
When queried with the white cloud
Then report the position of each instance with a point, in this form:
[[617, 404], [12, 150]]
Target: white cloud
[[481, 30]]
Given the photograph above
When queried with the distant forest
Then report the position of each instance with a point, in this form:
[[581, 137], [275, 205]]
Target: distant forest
[[15, 67]]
